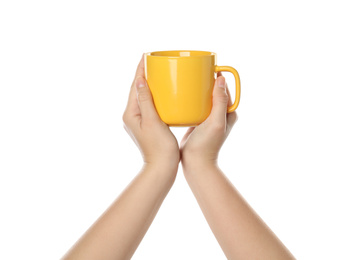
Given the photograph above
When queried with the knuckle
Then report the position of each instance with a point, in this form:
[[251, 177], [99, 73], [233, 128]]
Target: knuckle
[[218, 127], [223, 98], [143, 96], [231, 120], [125, 118], [235, 118]]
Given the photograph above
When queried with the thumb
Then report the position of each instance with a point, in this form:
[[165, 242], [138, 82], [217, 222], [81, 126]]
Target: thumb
[[220, 101], [145, 101]]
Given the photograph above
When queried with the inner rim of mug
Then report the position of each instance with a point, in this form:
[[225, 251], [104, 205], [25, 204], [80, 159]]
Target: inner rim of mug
[[180, 54]]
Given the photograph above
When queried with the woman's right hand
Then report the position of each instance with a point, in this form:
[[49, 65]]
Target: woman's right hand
[[201, 144]]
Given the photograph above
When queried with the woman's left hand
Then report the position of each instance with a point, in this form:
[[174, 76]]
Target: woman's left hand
[[153, 137]]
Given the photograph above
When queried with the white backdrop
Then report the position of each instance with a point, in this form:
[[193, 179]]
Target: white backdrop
[[65, 71]]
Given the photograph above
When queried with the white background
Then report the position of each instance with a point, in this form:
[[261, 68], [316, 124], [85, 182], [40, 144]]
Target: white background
[[65, 71]]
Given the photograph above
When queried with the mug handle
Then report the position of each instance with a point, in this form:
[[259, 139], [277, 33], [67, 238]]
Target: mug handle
[[236, 76]]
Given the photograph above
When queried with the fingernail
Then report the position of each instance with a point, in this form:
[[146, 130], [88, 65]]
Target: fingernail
[[221, 82], [140, 82]]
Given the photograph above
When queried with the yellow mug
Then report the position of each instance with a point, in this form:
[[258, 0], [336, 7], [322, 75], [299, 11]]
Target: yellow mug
[[181, 83]]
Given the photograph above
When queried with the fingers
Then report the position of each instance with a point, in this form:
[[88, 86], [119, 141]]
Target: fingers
[[140, 71], [231, 117], [132, 108], [133, 113], [219, 102], [144, 99], [229, 96]]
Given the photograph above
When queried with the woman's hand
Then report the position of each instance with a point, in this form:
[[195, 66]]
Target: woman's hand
[[119, 231], [236, 226], [201, 144], [153, 137]]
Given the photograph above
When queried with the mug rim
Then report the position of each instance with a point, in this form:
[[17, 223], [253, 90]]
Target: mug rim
[[180, 54]]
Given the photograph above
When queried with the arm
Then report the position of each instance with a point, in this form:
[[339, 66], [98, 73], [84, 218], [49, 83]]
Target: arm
[[238, 229], [118, 232]]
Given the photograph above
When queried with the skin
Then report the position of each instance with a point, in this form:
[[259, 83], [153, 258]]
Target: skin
[[237, 228], [241, 233], [119, 231]]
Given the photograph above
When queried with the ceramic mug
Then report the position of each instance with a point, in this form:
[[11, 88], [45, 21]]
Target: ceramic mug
[[181, 83]]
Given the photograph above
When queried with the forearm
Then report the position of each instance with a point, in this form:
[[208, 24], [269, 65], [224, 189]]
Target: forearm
[[238, 229], [118, 232]]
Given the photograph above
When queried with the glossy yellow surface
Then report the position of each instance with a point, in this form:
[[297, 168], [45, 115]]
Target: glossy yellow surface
[[181, 83]]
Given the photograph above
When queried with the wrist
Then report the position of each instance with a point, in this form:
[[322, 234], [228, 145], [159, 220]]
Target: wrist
[[164, 168], [167, 160], [198, 164], [160, 176]]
